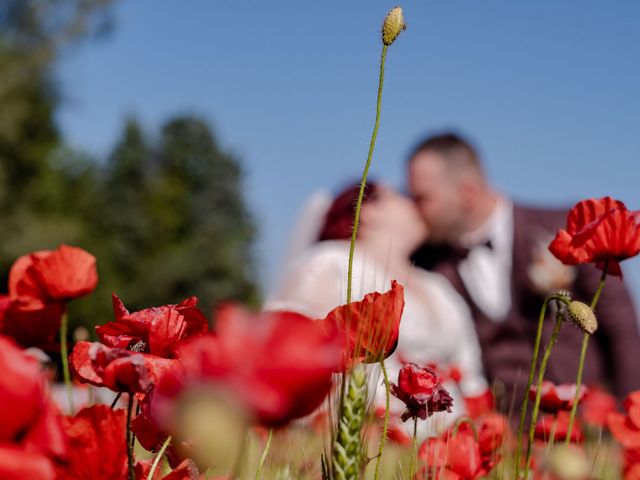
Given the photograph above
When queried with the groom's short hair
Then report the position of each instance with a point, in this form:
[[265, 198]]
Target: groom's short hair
[[457, 152]]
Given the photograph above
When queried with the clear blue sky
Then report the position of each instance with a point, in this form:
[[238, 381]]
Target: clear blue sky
[[548, 90]]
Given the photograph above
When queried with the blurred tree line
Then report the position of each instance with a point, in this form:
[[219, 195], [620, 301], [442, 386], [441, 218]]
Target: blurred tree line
[[164, 213]]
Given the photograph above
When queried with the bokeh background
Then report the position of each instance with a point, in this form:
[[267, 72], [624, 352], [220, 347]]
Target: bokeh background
[[178, 140]]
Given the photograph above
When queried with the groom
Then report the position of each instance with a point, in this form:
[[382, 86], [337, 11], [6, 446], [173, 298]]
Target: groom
[[494, 252]]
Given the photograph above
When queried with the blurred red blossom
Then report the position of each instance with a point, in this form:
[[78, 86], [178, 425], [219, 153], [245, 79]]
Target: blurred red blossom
[[480, 404], [98, 449], [279, 364], [456, 457], [557, 397], [31, 436], [600, 231], [421, 391], [40, 284], [626, 428], [371, 325], [558, 425], [596, 406]]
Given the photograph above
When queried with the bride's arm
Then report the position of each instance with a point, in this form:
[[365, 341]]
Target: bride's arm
[[313, 285]]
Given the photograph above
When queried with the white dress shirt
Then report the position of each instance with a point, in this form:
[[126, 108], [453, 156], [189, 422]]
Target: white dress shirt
[[486, 271]]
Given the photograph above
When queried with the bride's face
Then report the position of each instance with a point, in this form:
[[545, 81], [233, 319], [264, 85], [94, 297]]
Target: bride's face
[[395, 217]]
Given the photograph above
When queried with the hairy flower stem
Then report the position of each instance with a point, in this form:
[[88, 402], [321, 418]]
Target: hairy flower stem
[[385, 424], [414, 448], [583, 355], [156, 461], [64, 354], [347, 449], [130, 438], [532, 370], [536, 404], [264, 454], [365, 172]]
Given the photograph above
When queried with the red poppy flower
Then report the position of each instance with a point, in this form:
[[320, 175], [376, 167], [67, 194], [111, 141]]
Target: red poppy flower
[[53, 276], [598, 231], [397, 434], [97, 440], [556, 397], [480, 404], [631, 464], [30, 430], [626, 428], [5, 303], [15, 462], [421, 391], [492, 429], [278, 365], [371, 325], [118, 369], [455, 456], [559, 425], [596, 407], [39, 285], [155, 330]]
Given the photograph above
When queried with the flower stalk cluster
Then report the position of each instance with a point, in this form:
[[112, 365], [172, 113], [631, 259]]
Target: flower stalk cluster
[[347, 449]]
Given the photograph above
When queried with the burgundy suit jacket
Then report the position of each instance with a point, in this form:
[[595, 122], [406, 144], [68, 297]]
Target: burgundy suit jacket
[[613, 356]]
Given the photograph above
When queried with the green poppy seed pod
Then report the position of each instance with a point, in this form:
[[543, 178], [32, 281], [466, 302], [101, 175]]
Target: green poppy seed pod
[[393, 25], [583, 316]]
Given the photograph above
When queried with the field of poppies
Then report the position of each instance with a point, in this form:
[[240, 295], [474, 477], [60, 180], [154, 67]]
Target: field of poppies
[[278, 395]]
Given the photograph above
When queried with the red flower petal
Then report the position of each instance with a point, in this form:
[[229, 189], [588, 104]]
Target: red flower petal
[[98, 447], [21, 391], [598, 231], [67, 273], [16, 463], [623, 430], [156, 330], [371, 325]]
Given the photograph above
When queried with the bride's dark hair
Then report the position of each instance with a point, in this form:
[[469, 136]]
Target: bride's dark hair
[[338, 222]]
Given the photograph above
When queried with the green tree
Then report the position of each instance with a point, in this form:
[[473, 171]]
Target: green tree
[[36, 186], [173, 221]]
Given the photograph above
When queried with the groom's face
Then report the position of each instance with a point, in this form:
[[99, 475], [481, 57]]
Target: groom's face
[[437, 195]]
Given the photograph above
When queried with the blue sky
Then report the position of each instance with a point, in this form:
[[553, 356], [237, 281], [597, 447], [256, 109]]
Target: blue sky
[[548, 90]]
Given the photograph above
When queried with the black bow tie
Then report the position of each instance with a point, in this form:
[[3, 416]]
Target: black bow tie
[[460, 253]]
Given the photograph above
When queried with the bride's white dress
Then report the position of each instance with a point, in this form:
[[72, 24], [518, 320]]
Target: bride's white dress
[[436, 325]]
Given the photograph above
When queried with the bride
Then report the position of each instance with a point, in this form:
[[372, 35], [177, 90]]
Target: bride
[[436, 326]]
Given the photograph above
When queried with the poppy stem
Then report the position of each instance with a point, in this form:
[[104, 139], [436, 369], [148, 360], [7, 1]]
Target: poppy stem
[[532, 370], [583, 355], [64, 354], [115, 400], [265, 452], [129, 438], [414, 448], [156, 460], [385, 424], [363, 183], [536, 404]]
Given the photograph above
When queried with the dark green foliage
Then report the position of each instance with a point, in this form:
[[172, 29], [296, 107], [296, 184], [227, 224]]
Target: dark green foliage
[[173, 219], [165, 217]]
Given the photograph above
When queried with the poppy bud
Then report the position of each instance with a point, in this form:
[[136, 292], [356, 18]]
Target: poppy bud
[[583, 316], [393, 25]]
